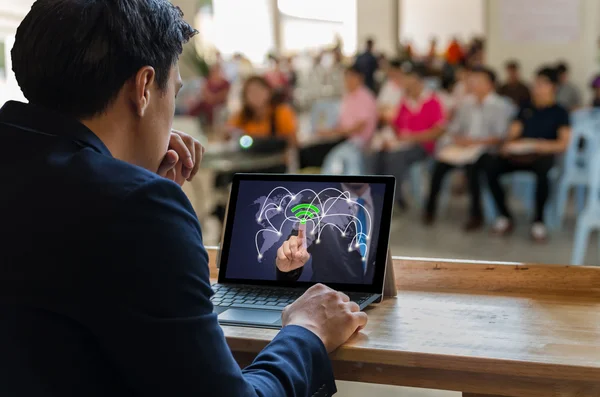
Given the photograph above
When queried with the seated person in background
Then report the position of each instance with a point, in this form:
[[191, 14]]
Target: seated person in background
[[104, 284], [567, 95], [357, 122], [278, 79], [391, 93], [263, 114], [540, 132], [514, 88], [213, 95], [419, 122], [480, 124]]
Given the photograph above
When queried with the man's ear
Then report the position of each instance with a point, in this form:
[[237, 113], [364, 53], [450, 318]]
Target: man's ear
[[143, 81]]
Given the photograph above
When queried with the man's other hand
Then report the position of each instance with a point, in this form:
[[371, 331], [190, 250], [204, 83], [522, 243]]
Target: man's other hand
[[291, 255], [328, 314], [463, 141], [183, 158]]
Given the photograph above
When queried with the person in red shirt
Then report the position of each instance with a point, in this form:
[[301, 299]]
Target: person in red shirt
[[454, 53], [419, 122], [214, 94]]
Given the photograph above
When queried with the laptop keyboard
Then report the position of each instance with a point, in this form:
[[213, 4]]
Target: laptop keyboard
[[258, 297]]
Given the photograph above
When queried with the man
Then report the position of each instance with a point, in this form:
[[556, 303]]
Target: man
[[332, 260], [567, 95], [104, 283], [480, 125], [539, 133], [419, 122], [367, 64], [357, 123], [515, 88]]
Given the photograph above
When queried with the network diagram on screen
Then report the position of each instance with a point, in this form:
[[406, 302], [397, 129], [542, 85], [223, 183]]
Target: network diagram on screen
[[310, 212]]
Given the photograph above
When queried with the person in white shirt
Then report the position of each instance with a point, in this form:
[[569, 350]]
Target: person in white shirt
[[480, 125], [388, 103], [391, 93]]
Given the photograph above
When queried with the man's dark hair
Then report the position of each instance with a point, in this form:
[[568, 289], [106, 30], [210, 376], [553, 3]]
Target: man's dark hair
[[74, 56], [549, 73], [512, 65], [489, 73], [562, 68]]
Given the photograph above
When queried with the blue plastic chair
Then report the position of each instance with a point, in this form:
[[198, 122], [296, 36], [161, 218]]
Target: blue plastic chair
[[521, 186], [324, 114], [589, 219], [576, 169]]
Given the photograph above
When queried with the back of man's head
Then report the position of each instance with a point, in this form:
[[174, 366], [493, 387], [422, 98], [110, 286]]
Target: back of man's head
[[74, 56]]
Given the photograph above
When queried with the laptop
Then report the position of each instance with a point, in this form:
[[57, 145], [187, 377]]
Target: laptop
[[343, 223]]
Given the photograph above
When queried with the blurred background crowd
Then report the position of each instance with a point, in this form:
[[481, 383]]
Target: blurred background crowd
[[486, 117]]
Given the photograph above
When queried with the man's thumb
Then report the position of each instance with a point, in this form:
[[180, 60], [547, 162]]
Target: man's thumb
[[168, 163]]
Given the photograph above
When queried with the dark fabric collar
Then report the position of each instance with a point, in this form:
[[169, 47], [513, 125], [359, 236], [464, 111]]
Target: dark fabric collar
[[35, 118]]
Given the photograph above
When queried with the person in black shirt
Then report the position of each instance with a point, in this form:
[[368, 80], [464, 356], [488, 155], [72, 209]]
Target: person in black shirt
[[368, 64], [539, 132]]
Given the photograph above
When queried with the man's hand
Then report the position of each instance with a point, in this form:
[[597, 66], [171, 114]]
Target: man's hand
[[291, 255], [463, 141], [183, 158], [522, 146], [328, 314]]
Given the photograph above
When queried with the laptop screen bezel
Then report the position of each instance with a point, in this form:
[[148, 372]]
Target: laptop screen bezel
[[375, 287]]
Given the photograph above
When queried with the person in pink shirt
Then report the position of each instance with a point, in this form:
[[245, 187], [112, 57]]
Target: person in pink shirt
[[419, 122], [357, 123]]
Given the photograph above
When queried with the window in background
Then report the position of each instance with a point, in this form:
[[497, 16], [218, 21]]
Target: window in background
[[243, 26], [421, 20], [2, 60], [9, 88], [314, 24]]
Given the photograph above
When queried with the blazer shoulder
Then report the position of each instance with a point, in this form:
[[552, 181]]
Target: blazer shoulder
[[112, 178]]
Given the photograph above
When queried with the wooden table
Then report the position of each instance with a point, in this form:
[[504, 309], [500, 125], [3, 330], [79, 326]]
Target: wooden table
[[481, 329]]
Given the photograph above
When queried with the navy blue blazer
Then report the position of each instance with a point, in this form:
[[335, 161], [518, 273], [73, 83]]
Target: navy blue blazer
[[104, 280]]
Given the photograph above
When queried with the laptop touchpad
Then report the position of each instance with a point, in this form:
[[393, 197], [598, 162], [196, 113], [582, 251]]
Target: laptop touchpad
[[250, 316]]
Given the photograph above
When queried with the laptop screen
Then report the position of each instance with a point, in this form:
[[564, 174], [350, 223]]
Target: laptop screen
[[318, 230]]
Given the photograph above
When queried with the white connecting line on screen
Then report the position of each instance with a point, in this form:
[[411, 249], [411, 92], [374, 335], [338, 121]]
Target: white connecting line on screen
[[315, 214]]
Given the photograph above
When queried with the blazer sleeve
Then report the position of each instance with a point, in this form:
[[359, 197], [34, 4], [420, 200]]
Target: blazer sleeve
[[156, 322]]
